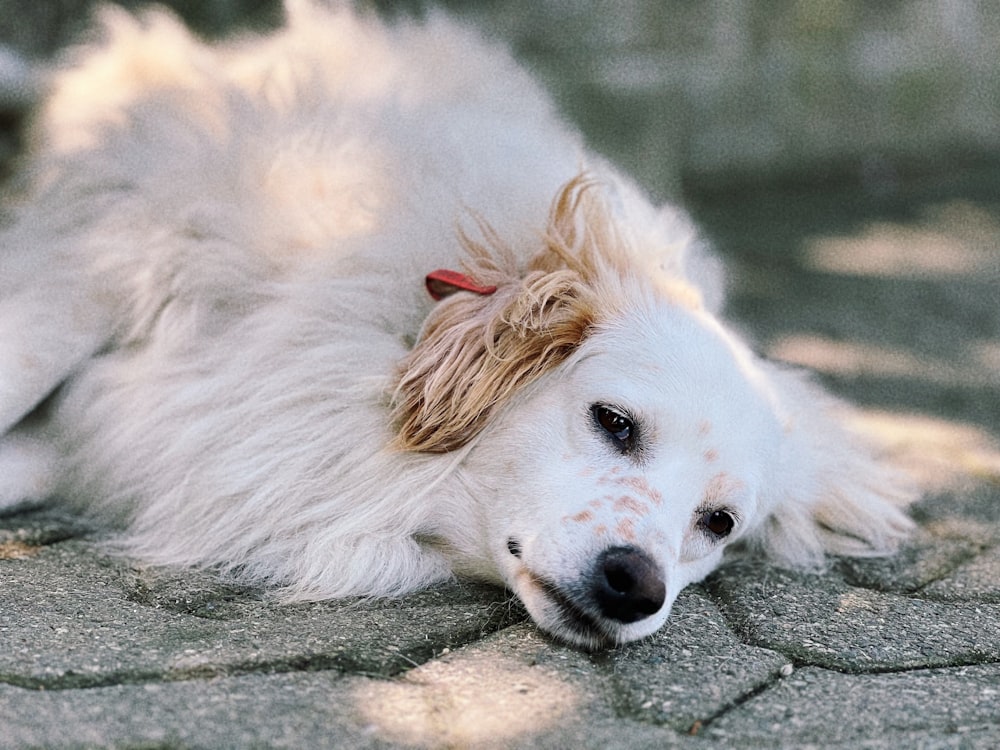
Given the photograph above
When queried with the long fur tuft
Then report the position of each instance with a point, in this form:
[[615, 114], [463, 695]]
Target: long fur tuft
[[477, 351]]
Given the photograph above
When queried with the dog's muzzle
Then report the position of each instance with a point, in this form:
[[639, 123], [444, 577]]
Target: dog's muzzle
[[624, 586]]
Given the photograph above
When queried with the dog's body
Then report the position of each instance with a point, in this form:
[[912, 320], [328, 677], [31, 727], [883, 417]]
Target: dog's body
[[213, 285]]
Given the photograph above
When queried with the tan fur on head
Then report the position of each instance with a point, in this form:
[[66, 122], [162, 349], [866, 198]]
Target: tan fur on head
[[476, 351]]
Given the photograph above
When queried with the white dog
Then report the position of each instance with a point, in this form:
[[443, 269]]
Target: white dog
[[215, 326]]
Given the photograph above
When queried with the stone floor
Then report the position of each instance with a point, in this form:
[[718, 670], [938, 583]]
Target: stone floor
[[891, 292]]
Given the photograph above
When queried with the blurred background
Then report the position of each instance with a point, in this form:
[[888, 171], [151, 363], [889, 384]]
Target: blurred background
[[843, 155], [700, 95]]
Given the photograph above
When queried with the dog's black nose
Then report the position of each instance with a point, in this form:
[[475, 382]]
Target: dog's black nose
[[627, 584]]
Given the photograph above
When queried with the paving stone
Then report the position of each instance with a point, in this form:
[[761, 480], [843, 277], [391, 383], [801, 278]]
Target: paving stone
[[957, 707], [70, 617], [304, 709], [821, 620], [977, 505], [692, 669], [923, 560], [513, 689], [38, 527], [978, 580]]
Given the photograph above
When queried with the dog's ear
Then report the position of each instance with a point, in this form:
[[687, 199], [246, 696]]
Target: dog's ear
[[831, 494], [499, 328]]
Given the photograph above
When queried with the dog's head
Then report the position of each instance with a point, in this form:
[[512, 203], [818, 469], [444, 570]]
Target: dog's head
[[617, 438]]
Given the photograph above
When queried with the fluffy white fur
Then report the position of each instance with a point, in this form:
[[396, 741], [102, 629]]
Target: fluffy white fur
[[213, 325]]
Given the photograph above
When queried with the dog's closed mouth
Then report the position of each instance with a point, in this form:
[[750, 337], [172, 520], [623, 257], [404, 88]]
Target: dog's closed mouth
[[576, 622]]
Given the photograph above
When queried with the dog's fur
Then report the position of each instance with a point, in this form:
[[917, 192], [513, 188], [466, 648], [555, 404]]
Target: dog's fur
[[213, 325]]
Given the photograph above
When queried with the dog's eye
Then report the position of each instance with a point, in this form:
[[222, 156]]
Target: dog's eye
[[717, 522], [619, 428]]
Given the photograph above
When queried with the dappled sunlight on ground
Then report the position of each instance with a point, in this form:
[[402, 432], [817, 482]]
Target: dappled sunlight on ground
[[987, 353], [895, 303], [951, 239], [978, 367], [467, 701], [941, 455]]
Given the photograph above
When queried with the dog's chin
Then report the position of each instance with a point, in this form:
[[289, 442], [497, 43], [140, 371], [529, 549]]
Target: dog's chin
[[561, 616]]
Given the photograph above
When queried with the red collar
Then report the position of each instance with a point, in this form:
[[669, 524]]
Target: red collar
[[443, 283]]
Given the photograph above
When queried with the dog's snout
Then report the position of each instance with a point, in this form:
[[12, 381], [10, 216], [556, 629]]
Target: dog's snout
[[627, 584]]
